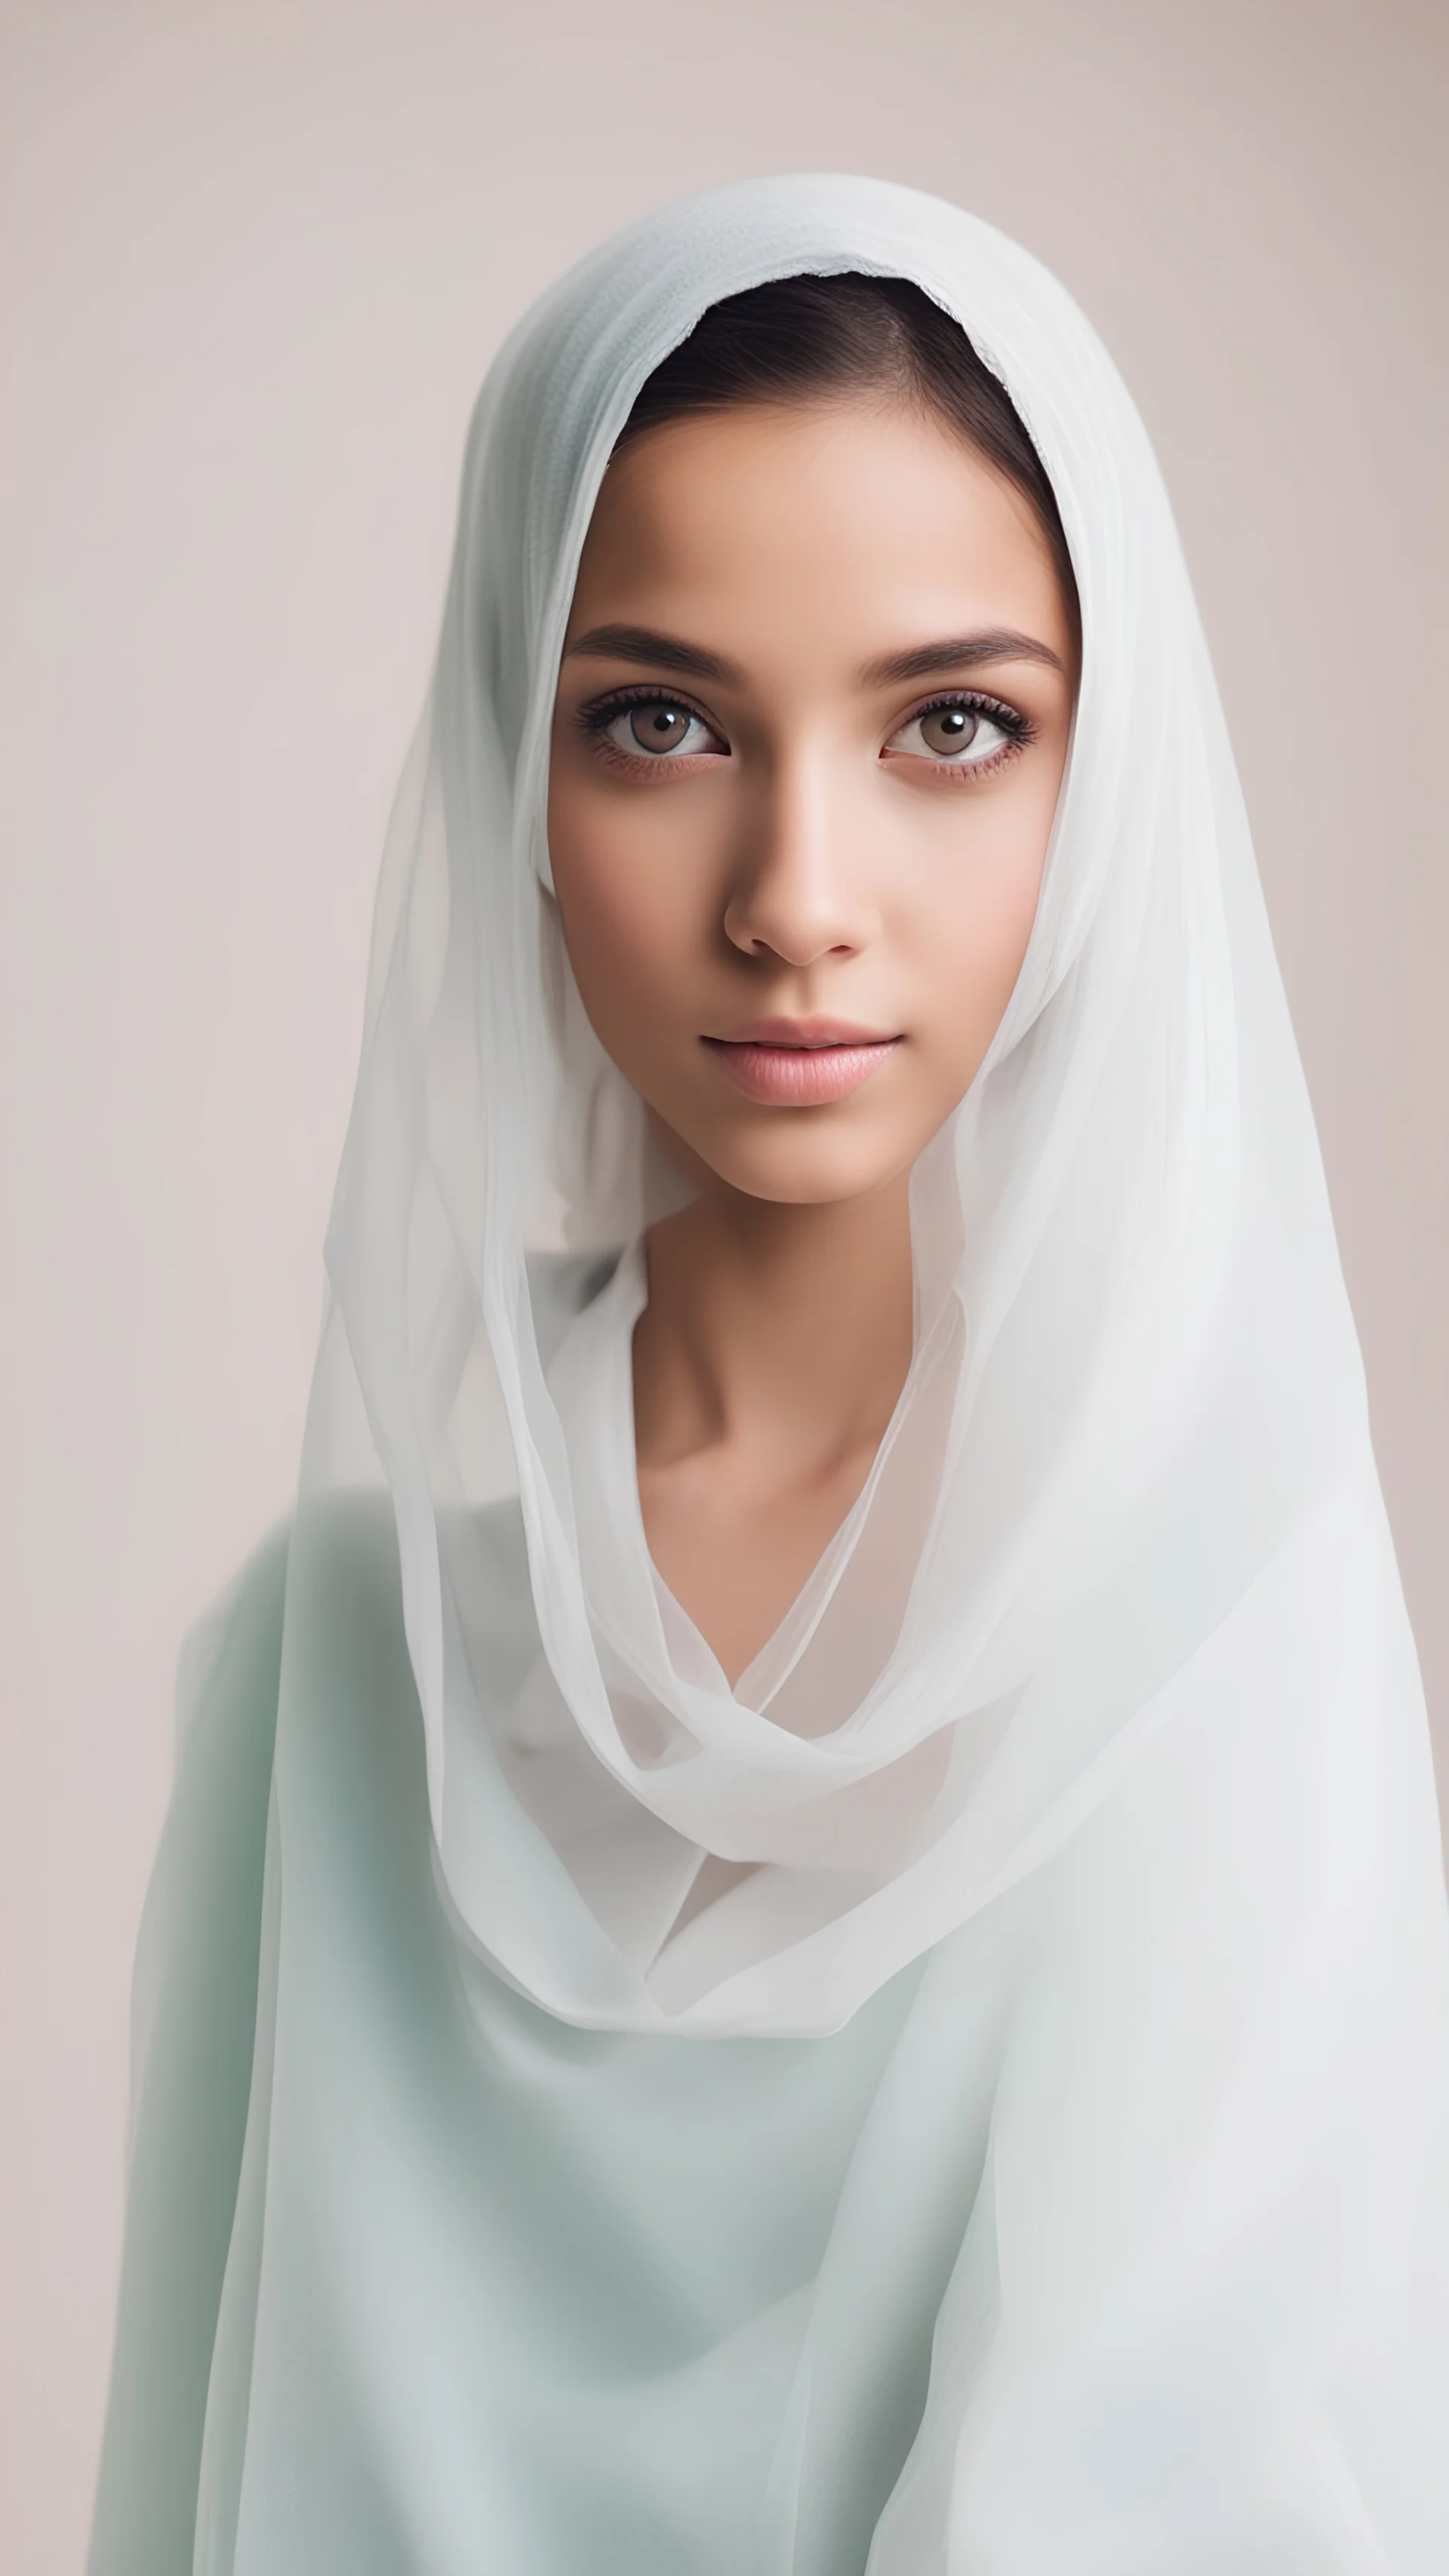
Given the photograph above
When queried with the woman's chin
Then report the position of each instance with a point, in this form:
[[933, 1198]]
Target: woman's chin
[[805, 1170]]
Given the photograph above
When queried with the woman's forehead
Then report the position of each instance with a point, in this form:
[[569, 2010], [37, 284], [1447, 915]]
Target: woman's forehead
[[863, 526]]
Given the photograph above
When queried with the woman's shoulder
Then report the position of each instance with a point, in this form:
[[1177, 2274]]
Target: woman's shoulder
[[341, 1548], [232, 1651], [347, 1537]]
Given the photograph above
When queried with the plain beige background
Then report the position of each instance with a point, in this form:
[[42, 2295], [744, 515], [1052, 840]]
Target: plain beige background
[[261, 251]]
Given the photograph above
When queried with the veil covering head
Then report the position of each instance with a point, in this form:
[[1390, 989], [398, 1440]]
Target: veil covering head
[[1135, 1381], [1034, 2158]]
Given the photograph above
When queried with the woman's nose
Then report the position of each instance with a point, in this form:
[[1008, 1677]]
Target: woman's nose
[[798, 891]]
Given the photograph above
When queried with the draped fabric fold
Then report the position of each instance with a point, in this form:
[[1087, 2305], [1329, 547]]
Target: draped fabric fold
[[1034, 2157]]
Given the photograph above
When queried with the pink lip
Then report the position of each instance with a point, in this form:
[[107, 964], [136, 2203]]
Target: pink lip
[[800, 1064]]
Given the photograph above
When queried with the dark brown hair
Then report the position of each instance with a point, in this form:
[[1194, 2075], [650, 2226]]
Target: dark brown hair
[[800, 336]]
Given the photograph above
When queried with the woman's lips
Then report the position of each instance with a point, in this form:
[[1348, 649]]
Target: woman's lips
[[800, 1064]]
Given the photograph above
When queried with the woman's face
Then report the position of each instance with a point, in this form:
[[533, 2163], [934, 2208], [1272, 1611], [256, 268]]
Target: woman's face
[[811, 722]]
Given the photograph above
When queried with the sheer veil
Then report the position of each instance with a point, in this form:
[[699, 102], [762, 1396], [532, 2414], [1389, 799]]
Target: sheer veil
[[1136, 1398], [1111, 1651]]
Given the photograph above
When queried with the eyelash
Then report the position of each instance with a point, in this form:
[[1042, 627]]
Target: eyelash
[[1018, 729], [596, 718]]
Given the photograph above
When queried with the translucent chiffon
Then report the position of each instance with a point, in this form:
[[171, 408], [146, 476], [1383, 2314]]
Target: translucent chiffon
[[1034, 2158]]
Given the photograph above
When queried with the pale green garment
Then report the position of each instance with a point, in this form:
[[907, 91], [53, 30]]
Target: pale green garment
[[433, 2280], [635, 2266]]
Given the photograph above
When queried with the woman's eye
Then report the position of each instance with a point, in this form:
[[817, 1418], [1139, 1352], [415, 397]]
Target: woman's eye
[[967, 737], [657, 727]]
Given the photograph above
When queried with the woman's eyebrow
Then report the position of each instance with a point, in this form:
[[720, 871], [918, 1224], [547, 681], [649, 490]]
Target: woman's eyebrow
[[648, 646], [958, 653], [662, 652]]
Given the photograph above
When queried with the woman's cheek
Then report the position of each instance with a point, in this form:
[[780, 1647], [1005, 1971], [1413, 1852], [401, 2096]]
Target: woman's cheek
[[966, 963]]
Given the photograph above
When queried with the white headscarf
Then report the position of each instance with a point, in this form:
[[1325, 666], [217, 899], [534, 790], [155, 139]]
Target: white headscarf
[[1135, 1385], [1085, 2207]]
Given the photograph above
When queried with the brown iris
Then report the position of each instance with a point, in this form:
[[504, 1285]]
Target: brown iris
[[948, 729], [658, 726]]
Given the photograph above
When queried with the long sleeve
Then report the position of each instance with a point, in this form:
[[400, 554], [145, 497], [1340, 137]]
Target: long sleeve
[[194, 1999]]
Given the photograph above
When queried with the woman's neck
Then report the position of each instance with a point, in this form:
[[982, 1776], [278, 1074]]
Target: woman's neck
[[784, 1326], [767, 1364]]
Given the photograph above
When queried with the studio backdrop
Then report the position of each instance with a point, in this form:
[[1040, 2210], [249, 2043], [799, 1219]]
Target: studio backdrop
[[267, 257]]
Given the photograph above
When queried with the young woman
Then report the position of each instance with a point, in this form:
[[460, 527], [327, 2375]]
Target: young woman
[[802, 1926]]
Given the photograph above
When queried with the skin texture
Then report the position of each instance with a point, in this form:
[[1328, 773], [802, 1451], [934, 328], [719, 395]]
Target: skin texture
[[796, 836]]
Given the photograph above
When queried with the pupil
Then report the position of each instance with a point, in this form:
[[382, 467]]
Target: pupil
[[665, 719], [953, 719]]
